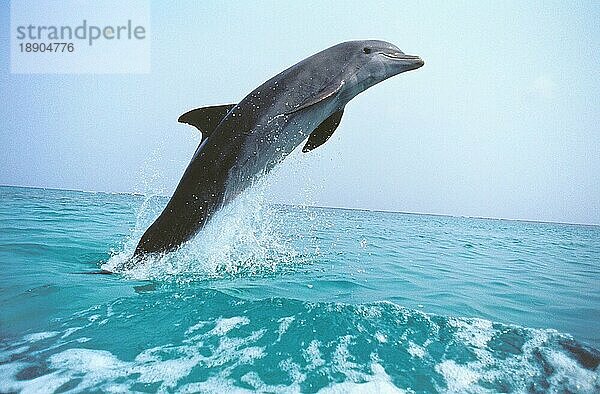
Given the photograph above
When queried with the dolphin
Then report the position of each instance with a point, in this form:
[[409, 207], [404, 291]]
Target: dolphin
[[240, 142]]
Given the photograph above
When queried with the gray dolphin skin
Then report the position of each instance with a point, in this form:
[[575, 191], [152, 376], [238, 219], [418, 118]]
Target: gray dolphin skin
[[240, 142]]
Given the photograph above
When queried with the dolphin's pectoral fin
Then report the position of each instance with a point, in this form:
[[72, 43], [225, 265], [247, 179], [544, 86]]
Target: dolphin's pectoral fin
[[322, 95], [322, 133], [206, 119]]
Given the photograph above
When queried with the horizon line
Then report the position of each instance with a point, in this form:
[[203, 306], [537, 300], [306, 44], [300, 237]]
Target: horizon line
[[326, 207]]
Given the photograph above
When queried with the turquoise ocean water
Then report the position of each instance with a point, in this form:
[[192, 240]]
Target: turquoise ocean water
[[293, 299]]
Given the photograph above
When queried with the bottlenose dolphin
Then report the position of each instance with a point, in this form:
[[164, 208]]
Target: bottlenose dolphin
[[242, 141]]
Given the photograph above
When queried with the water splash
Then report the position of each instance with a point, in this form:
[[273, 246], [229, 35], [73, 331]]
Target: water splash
[[246, 237]]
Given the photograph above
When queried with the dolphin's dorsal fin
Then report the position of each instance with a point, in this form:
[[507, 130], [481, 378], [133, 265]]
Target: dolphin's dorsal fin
[[322, 133], [206, 119]]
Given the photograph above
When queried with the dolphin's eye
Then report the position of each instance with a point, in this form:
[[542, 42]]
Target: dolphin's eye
[[367, 50]]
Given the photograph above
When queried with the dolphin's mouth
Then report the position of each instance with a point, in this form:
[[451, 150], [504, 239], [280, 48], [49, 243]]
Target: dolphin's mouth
[[401, 56]]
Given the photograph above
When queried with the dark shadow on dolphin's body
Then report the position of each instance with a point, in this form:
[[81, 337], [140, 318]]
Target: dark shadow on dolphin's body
[[244, 140]]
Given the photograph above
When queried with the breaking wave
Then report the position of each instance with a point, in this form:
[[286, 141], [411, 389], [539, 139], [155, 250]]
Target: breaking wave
[[225, 344]]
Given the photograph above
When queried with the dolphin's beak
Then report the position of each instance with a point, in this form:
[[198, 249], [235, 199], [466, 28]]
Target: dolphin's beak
[[410, 61]]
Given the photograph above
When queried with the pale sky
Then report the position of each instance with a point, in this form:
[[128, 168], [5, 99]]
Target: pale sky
[[502, 121]]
